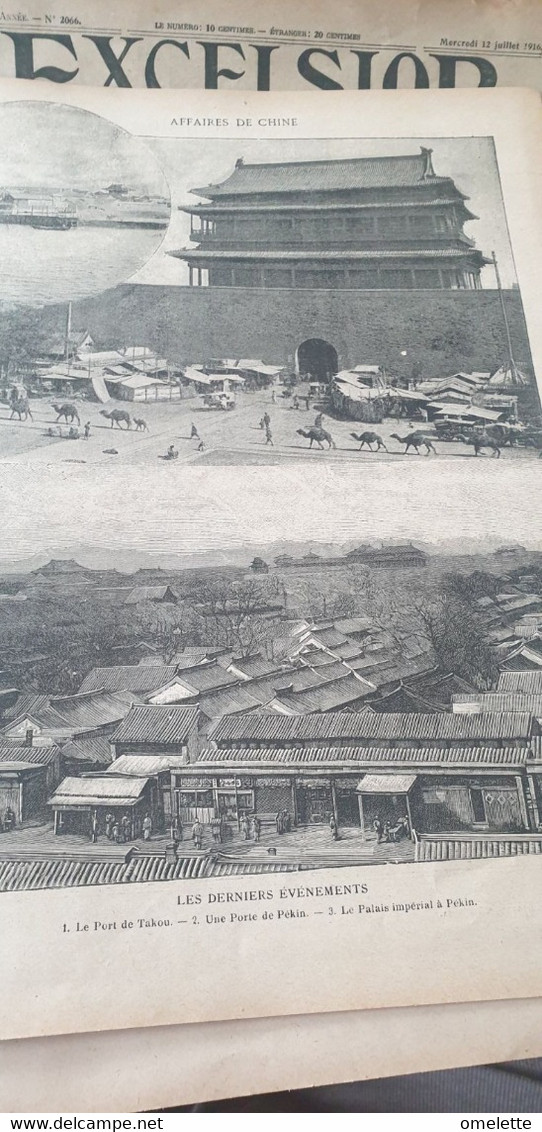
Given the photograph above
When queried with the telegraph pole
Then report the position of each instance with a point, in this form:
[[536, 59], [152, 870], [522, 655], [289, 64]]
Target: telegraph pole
[[511, 361]]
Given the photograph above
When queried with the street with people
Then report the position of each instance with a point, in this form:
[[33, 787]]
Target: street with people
[[263, 428]]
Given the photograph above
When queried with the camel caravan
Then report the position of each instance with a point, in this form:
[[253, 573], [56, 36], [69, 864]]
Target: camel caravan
[[363, 410]]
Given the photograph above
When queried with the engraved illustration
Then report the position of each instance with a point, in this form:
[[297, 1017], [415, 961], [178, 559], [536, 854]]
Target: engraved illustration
[[349, 308], [177, 701]]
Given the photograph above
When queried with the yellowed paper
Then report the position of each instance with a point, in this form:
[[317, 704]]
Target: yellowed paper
[[273, 933], [163, 1067], [247, 47]]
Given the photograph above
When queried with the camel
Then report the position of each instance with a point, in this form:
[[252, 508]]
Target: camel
[[318, 435], [415, 440], [116, 416], [483, 441], [68, 411], [369, 438], [141, 425], [20, 406]]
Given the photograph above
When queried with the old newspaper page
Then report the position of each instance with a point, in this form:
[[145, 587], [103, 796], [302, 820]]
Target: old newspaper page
[[322, 689], [380, 44], [166, 1066], [490, 43]]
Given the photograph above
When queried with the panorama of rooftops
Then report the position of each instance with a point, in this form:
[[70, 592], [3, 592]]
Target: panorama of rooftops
[[297, 711]]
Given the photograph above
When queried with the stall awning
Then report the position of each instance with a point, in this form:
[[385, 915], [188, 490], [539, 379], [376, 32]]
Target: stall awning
[[386, 783]]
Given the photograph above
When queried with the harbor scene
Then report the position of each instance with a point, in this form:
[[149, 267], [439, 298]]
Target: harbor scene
[[83, 206]]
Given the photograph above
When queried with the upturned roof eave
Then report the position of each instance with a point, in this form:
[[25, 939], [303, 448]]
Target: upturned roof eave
[[225, 192], [222, 205], [336, 255]]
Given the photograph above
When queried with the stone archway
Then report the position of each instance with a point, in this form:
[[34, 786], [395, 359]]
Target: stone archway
[[318, 358]]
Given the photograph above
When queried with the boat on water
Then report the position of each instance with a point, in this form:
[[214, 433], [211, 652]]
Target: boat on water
[[56, 215], [58, 223]]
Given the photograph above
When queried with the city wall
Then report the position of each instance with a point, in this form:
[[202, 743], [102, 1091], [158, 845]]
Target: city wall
[[428, 332]]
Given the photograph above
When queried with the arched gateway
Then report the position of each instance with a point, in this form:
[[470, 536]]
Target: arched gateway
[[317, 358]]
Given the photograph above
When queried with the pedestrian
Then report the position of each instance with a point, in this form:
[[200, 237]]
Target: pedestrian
[[307, 402], [201, 446], [216, 830], [115, 832], [296, 402], [269, 436], [94, 827], [176, 830], [334, 828], [147, 827], [262, 423], [256, 828], [279, 822], [86, 432], [266, 420], [194, 434], [386, 836], [9, 820], [318, 420], [243, 826], [197, 833], [126, 828], [274, 396], [287, 821], [377, 826], [109, 822]]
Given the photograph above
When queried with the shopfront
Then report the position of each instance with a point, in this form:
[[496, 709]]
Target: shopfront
[[384, 803], [477, 803], [206, 798], [314, 801]]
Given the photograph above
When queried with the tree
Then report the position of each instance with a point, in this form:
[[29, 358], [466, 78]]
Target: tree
[[457, 637], [23, 338], [168, 627], [235, 614], [469, 587], [259, 566]]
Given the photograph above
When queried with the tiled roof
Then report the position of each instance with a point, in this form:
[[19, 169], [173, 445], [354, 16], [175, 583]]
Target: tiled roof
[[320, 254], [297, 679], [133, 677], [333, 671], [486, 756], [15, 767], [87, 710], [309, 176], [328, 636], [327, 696], [267, 728], [38, 707], [89, 749], [528, 682], [99, 791], [194, 654], [501, 701], [146, 765], [168, 723], [350, 625], [245, 696], [205, 677], [12, 752], [254, 666]]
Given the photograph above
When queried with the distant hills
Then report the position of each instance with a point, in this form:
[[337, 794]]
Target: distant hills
[[72, 562]]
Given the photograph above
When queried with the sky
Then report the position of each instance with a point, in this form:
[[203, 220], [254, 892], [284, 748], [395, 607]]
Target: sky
[[182, 511], [58, 146], [191, 162]]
